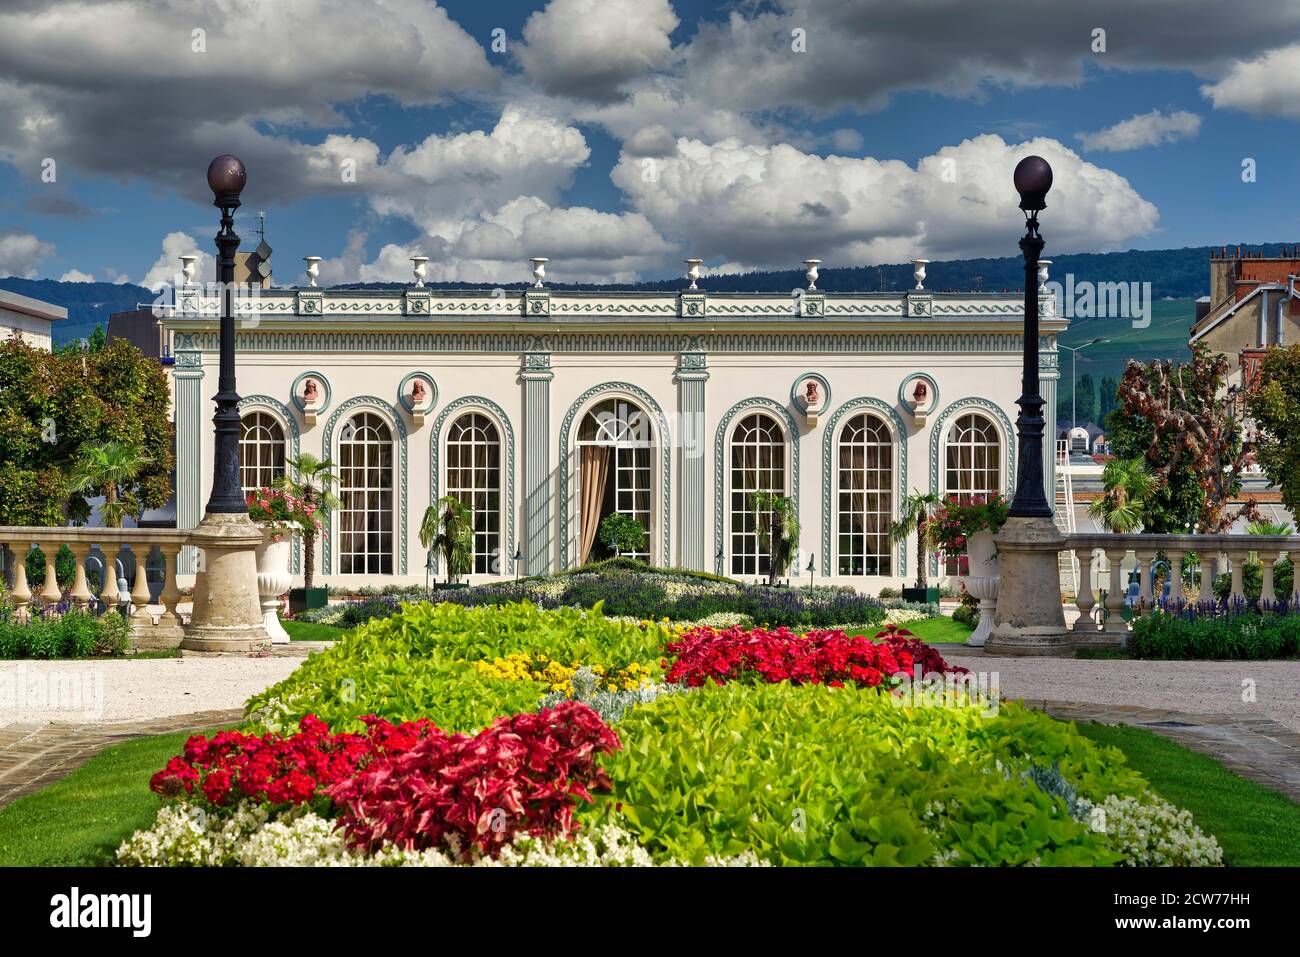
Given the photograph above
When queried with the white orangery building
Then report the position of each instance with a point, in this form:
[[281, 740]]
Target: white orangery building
[[546, 411]]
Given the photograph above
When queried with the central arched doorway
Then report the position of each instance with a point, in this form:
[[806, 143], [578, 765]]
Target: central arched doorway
[[615, 466]]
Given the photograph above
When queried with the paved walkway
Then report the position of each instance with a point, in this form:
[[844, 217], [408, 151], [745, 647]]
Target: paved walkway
[[34, 755]]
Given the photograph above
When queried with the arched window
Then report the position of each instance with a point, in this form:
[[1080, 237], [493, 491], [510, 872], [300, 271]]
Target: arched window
[[757, 465], [615, 452], [366, 492], [865, 496], [474, 477], [261, 451], [972, 466], [973, 457]]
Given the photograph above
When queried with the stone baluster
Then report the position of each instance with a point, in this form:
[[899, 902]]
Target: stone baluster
[[50, 592], [1115, 594], [1145, 559], [171, 595], [21, 593], [1295, 579], [1267, 596], [108, 592], [1085, 600], [80, 595], [1176, 556], [140, 592], [1238, 560], [1207, 576]]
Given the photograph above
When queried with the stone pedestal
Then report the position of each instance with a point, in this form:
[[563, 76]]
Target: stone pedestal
[[1029, 619], [227, 614]]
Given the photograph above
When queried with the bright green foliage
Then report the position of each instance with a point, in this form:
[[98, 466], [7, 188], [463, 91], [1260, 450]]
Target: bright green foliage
[[1249, 637], [75, 634], [416, 664], [448, 526], [812, 775], [1129, 485], [53, 404]]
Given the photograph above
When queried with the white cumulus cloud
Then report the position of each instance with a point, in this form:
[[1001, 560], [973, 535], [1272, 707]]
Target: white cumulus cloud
[[166, 269], [1145, 129], [22, 253]]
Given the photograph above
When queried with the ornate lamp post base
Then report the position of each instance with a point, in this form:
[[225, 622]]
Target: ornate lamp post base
[[1029, 618], [227, 613]]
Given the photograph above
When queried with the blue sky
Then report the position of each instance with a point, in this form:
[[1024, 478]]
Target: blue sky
[[619, 136]]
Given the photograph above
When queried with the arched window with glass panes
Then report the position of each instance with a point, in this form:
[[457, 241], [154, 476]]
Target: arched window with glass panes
[[864, 490], [261, 451], [757, 465], [365, 489], [473, 458], [972, 464]]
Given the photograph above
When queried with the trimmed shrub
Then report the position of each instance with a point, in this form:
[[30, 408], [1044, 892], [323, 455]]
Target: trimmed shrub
[[1201, 635]]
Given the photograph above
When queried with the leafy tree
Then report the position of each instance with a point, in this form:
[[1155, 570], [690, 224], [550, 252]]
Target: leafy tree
[[777, 524], [54, 404], [1187, 426], [1108, 397], [621, 533], [1087, 398], [1129, 484], [916, 518], [310, 479], [1274, 404], [449, 527], [110, 468]]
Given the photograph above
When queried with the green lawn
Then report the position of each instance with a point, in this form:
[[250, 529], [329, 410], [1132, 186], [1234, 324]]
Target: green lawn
[[309, 631], [938, 631], [1256, 827], [81, 819]]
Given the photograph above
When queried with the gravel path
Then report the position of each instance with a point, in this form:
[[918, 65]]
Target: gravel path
[[1198, 687], [108, 691]]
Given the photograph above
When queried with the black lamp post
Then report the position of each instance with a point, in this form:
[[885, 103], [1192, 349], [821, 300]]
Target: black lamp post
[[226, 177], [518, 557], [1033, 178]]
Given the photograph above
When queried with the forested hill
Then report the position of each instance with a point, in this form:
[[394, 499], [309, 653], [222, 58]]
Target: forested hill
[[1173, 274]]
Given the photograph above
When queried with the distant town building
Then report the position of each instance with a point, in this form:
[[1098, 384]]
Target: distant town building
[[1252, 306], [30, 318]]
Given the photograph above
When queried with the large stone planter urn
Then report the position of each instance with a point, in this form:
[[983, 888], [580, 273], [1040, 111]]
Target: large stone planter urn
[[982, 582], [273, 580]]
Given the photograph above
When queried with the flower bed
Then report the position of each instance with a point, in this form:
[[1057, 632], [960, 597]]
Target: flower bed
[[499, 742], [62, 632], [1215, 632]]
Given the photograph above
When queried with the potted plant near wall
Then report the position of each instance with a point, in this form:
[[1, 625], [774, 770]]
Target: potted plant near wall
[[448, 526], [777, 524], [280, 515], [966, 525], [916, 518], [621, 533], [311, 480]]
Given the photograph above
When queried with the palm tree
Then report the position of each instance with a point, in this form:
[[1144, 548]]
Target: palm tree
[[108, 467], [1129, 484], [1270, 528], [777, 525], [449, 527], [916, 518], [311, 481]]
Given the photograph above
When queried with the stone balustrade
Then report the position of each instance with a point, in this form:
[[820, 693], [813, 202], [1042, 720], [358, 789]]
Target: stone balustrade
[[107, 546], [1208, 555]]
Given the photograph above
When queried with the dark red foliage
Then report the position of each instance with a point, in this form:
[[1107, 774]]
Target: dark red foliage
[[817, 657], [523, 774], [279, 770]]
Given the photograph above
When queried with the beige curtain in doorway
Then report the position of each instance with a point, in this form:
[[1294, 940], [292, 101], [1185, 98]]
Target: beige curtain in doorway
[[593, 466]]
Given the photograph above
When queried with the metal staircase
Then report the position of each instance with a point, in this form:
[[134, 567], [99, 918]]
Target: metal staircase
[[1066, 560]]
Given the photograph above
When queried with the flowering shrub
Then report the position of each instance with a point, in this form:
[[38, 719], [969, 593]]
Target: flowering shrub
[[520, 775], [280, 510], [558, 677], [817, 657], [959, 517], [295, 769], [1206, 631]]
